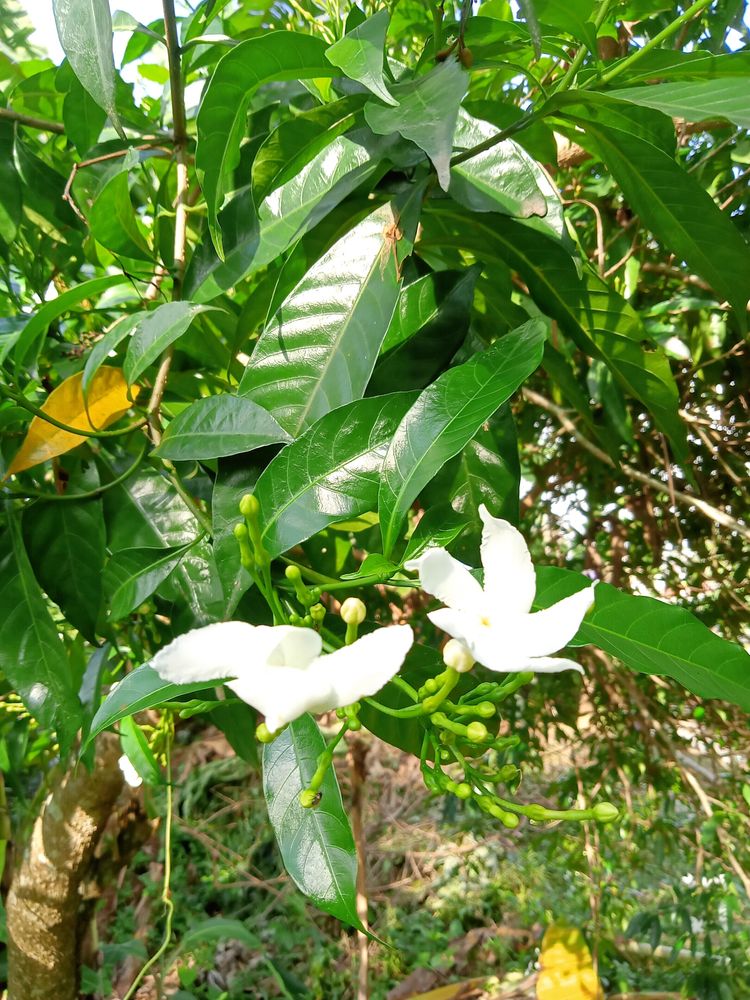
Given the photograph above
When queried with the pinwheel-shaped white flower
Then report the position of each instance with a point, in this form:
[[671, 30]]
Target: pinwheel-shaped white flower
[[279, 670], [496, 623]]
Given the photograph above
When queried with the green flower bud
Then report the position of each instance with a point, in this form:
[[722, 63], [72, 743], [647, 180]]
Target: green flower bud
[[451, 786], [605, 812], [293, 574], [264, 735], [430, 686], [476, 732], [309, 798], [249, 506], [445, 755], [457, 656], [463, 791], [353, 611], [536, 813], [317, 612], [486, 709]]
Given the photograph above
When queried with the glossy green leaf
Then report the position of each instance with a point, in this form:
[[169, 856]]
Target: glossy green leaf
[[85, 31], [136, 749], [132, 575], [296, 141], [32, 655], [316, 845], [599, 320], [139, 690], [695, 100], [82, 116], [360, 54], [65, 543], [428, 326], [285, 215], [155, 331], [331, 473], [146, 512], [427, 113], [671, 202], [653, 637], [446, 416], [102, 349], [278, 55], [438, 526], [501, 179], [114, 222], [575, 17], [217, 426], [667, 64], [29, 343], [11, 198], [319, 350]]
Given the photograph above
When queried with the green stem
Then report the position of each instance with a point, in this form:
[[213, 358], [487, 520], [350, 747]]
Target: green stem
[[405, 686], [584, 49], [166, 891], [434, 701], [627, 63], [437, 28], [412, 712], [494, 140], [21, 400], [89, 494]]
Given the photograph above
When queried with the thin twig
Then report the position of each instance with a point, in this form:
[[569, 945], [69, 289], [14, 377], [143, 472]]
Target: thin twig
[[39, 123]]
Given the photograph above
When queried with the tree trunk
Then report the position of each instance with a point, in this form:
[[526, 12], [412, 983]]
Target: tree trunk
[[44, 898]]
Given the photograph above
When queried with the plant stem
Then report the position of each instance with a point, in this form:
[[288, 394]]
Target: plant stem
[[89, 494], [628, 62], [494, 140], [21, 400], [582, 51], [40, 123]]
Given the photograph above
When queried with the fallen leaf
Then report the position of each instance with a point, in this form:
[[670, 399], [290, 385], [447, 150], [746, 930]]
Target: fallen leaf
[[108, 400], [567, 971]]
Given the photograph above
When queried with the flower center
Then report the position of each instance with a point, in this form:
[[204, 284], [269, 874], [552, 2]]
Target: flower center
[[484, 620]]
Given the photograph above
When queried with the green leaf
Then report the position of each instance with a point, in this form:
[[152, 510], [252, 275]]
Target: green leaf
[[429, 325], [82, 116], [447, 415], [85, 31], [139, 690], [217, 426], [360, 54], [654, 638], [11, 200], [427, 113], [66, 547], [132, 575], [155, 331], [136, 749], [501, 179], [285, 215], [438, 526], [695, 101], [320, 348], [102, 349], [316, 844], [296, 141], [331, 473], [278, 55], [599, 320], [114, 221], [32, 656], [147, 512], [673, 205], [575, 17], [30, 342], [666, 64], [219, 929]]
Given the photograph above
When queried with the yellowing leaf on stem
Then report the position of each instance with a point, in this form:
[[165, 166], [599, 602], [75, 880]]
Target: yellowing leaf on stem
[[107, 401], [567, 971]]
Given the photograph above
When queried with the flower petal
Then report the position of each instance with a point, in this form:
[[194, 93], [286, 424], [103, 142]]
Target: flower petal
[[295, 647], [282, 694], [493, 647], [223, 649], [448, 580], [363, 668], [509, 580], [545, 632], [551, 665]]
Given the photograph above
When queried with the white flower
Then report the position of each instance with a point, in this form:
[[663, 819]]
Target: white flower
[[279, 670], [129, 772], [495, 623]]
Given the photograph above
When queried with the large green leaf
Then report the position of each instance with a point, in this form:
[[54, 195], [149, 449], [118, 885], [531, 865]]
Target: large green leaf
[[360, 54], [11, 198], [114, 222], [82, 116], [320, 348], [234, 478], [599, 320], [654, 638], [316, 844], [85, 31], [102, 349], [139, 690], [278, 55], [331, 473], [65, 543], [285, 215], [427, 113], [671, 203], [695, 101], [155, 331], [147, 512], [132, 575], [296, 141], [446, 416], [668, 64], [428, 326], [501, 179], [217, 426], [32, 655]]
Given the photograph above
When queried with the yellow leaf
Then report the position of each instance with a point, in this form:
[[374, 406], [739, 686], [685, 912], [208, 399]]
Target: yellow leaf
[[107, 401], [567, 971], [455, 991]]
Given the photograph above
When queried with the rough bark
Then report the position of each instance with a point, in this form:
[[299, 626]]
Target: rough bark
[[44, 899]]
